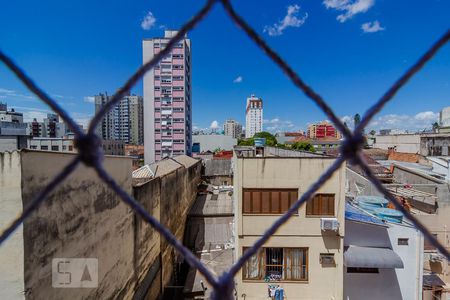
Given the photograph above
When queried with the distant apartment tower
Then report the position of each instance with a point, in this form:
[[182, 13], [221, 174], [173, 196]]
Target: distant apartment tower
[[444, 117], [253, 116], [323, 130], [13, 132], [124, 122], [232, 128], [167, 99], [50, 127]]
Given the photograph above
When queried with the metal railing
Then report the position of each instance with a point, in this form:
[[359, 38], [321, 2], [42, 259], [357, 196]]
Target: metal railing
[[90, 150]]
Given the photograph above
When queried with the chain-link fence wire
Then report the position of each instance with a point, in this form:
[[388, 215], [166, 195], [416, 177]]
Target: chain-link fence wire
[[91, 154]]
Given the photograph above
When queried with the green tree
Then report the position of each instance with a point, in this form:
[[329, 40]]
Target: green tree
[[356, 120], [304, 146], [246, 142], [270, 138], [435, 126]]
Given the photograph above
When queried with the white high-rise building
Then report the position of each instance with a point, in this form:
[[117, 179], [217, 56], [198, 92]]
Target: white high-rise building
[[444, 117], [232, 128], [253, 116]]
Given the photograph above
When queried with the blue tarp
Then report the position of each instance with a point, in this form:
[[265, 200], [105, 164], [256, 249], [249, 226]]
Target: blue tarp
[[353, 213]]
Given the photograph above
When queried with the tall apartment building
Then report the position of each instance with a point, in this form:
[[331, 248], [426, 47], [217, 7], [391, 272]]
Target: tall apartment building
[[50, 127], [253, 116], [304, 258], [323, 130], [124, 122], [232, 128], [167, 99]]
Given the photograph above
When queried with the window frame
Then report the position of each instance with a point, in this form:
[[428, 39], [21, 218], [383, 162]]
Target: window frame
[[271, 211], [308, 208], [262, 264]]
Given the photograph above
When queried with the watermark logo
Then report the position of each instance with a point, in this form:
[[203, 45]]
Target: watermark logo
[[75, 272]]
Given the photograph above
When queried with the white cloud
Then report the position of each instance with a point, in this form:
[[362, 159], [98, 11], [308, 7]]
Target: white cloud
[[290, 20], [6, 91], [238, 79], [89, 99], [277, 125], [149, 21], [348, 7], [214, 125], [420, 121], [28, 116], [11, 93], [370, 27]]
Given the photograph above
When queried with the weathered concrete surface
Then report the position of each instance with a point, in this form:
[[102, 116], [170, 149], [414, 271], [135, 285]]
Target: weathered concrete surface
[[11, 253], [83, 218], [169, 198]]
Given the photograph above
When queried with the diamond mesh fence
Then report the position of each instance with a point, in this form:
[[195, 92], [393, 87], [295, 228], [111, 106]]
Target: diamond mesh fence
[[91, 154]]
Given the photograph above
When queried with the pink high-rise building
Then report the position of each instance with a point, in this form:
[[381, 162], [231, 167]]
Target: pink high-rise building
[[167, 100]]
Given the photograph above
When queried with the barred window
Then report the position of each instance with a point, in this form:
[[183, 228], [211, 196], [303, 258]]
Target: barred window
[[321, 205], [268, 201], [277, 264]]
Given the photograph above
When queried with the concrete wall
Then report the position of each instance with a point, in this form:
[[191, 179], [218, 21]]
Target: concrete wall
[[357, 185], [300, 231], [83, 218], [12, 282], [409, 143], [210, 142]]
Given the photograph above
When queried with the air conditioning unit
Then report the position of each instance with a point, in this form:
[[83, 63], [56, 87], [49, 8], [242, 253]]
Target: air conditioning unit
[[329, 224]]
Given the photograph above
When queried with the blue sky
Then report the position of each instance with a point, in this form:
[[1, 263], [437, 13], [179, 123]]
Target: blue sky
[[349, 51]]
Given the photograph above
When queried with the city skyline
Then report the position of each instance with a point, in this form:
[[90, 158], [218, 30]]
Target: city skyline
[[372, 43]]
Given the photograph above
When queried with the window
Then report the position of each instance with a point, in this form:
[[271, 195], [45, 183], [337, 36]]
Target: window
[[44, 147], [55, 148], [320, 205], [277, 264], [402, 242], [70, 148], [178, 88], [268, 201], [363, 270]]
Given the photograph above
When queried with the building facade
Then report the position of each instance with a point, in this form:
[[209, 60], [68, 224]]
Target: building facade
[[253, 116], [304, 258], [167, 99], [444, 117], [50, 127], [323, 130], [232, 128], [13, 132], [124, 122]]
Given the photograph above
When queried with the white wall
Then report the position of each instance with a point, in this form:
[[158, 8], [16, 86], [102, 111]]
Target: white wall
[[409, 143], [390, 284]]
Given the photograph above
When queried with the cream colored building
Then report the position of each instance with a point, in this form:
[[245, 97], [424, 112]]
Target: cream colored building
[[301, 258]]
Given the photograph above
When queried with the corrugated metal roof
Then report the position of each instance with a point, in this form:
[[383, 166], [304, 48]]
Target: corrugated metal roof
[[147, 171], [353, 213], [185, 160]]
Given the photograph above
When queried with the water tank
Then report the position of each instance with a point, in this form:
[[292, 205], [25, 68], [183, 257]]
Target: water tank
[[371, 202], [390, 215]]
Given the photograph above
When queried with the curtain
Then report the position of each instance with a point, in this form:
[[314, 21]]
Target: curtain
[[253, 266]]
